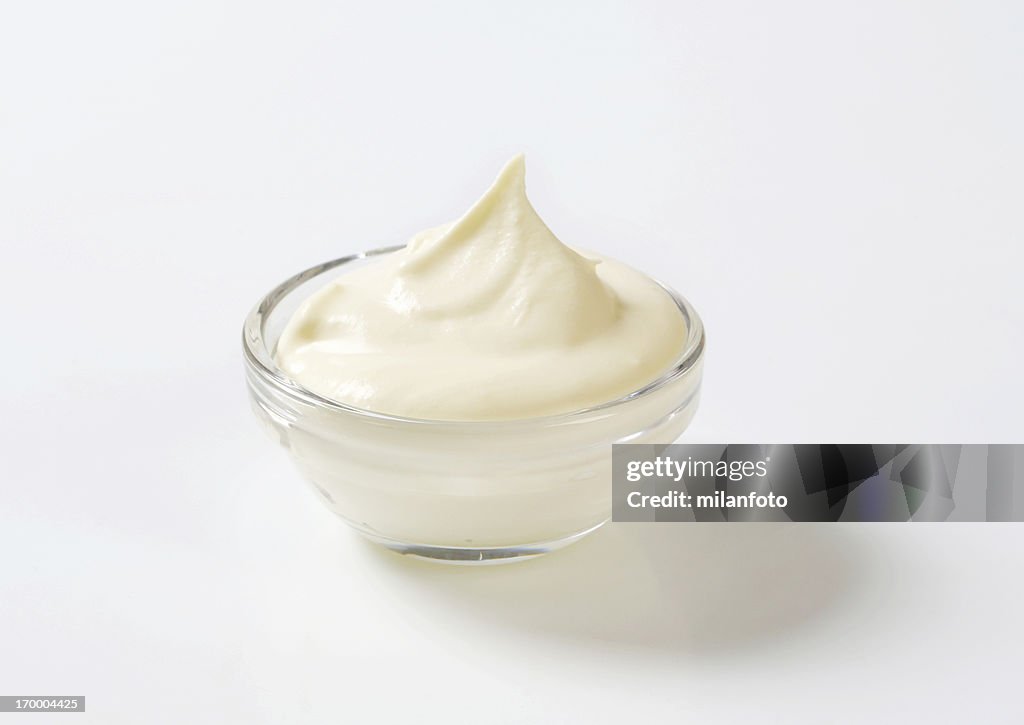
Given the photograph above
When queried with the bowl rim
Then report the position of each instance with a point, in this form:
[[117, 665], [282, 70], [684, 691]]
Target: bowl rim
[[259, 360]]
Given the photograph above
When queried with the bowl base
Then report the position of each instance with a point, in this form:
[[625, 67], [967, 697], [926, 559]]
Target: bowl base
[[476, 556]]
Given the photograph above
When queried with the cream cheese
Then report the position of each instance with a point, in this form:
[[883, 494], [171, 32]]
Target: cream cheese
[[490, 317]]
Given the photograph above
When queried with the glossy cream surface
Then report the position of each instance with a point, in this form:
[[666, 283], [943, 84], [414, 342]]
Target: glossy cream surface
[[489, 317]]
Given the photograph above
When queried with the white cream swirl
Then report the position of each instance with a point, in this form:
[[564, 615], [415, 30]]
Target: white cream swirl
[[490, 317]]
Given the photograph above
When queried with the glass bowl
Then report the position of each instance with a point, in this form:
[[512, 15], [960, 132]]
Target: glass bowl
[[463, 492]]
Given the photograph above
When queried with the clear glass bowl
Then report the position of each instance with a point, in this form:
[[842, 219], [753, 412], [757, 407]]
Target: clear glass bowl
[[466, 492]]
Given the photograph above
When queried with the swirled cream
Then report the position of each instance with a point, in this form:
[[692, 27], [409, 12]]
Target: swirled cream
[[490, 317]]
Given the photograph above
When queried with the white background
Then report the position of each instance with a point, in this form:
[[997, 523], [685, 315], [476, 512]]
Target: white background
[[837, 187]]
